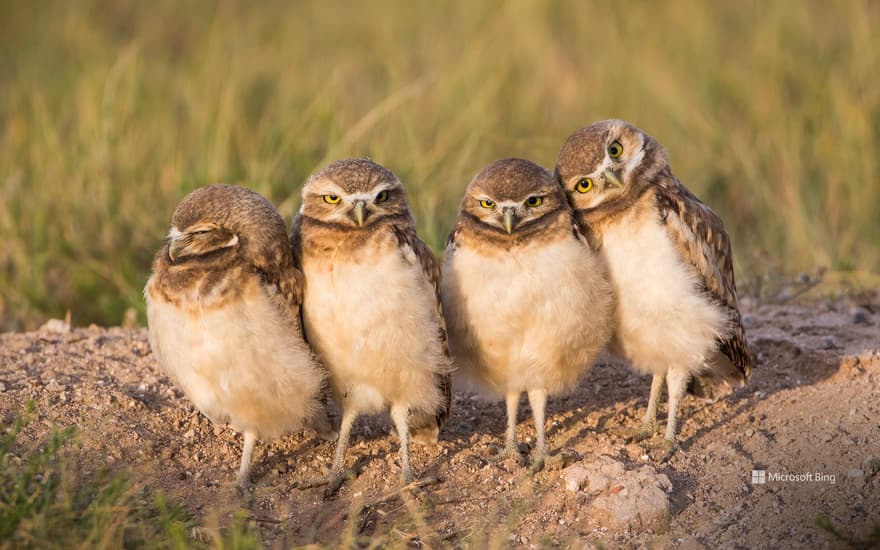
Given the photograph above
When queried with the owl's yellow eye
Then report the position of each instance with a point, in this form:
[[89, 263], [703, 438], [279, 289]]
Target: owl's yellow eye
[[486, 203], [332, 199], [382, 196], [584, 185], [615, 149], [534, 201]]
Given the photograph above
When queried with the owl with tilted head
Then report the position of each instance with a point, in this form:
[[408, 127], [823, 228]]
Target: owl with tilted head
[[670, 262], [527, 299], [223, 307], [372, 307]]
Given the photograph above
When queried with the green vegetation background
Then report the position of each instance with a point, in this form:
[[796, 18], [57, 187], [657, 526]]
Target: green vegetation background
[[111, 111]]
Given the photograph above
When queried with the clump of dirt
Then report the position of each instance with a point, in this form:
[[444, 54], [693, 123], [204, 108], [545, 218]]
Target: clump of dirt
[[757, 466]]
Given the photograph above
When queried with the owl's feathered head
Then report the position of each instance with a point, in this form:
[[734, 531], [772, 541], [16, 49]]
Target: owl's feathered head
[[608, 160], [220, 219], [353, 193], [511, 197]]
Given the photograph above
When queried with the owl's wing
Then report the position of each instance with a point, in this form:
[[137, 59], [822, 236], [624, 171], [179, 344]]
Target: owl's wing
[[293, 285], [704, 244], [452, 240], [295, 243], [418, 253], [583, 234], [282, 278], [296, 240]]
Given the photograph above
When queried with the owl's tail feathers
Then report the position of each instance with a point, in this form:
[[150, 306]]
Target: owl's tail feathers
[[427, 434], [320, 422], [424, 426], [720, 377]]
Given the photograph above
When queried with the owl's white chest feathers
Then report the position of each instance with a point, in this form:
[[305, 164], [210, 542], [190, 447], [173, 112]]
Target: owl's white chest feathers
[[371, 316], [239, 362], [534, 317], [663, 319]]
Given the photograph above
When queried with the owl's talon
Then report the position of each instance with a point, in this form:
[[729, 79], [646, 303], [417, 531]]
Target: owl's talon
[[335, 482], [646, 430], [663, 451], [538, 462], [506, 453], [418, 486], [311, 484]]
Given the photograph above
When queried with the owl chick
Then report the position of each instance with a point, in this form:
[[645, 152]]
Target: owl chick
[[670, 263], [527, 300], [372, 307], [223, 307]]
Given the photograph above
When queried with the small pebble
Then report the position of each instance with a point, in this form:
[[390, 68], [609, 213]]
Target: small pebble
[[859, 315]]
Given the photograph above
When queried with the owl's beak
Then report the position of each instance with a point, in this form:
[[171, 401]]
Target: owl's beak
[[174, 248], [611, 179], [359, 212], [179, 246], [510, 219]]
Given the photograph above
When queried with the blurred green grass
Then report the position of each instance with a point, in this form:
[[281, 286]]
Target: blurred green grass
[[111, 111]]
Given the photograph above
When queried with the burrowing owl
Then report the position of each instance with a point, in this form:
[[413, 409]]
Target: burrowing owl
[[670, 263], [223, 306], [527, 300], [372, 307]]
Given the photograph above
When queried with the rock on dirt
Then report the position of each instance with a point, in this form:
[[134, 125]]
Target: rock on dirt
[[635, 499]]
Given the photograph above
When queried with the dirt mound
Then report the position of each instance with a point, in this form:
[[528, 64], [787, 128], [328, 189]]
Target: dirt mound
[[756, 468]]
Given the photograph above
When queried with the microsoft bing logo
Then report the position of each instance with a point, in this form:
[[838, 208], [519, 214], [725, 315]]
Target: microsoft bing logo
[[759, 477]]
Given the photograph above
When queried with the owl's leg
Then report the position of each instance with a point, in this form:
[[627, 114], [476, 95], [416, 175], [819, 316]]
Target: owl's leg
[[650, 420], [648, 426], [400, 416], [677, 382], [338, 474], [242, 480], [510, 448], [538, 402], [512, 410], [424, 429], [649, 423]]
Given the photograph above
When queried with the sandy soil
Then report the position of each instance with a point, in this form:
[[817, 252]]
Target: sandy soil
[[811, 407]]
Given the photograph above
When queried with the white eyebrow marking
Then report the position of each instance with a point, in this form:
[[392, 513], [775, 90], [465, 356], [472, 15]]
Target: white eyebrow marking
[[333, 189], [360, 197], [636, 159], [384, 186], [330, 188], [174, 233]]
